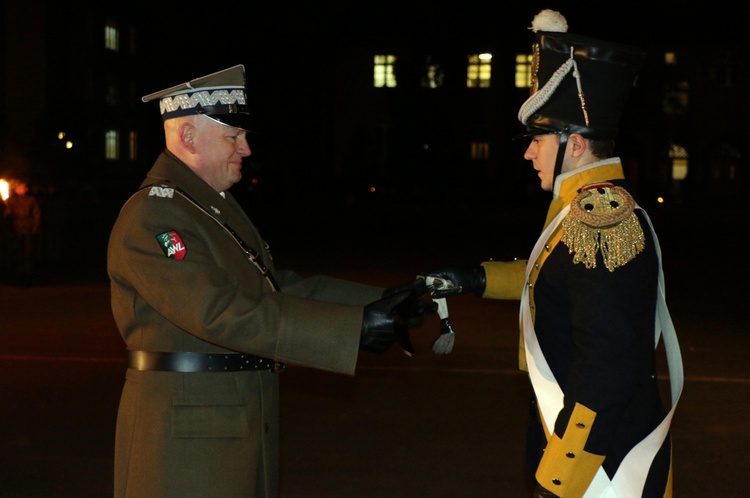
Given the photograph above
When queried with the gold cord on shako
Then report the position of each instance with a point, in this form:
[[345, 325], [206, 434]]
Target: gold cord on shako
[[602, 219]]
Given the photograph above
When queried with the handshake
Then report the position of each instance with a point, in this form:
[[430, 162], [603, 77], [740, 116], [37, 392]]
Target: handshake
[[388, 320]]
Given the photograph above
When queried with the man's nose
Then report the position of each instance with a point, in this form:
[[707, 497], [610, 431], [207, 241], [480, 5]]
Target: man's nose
[[244, 148]]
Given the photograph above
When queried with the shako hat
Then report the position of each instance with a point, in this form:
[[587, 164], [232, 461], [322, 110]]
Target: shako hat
[[579, 84], [220, 96]]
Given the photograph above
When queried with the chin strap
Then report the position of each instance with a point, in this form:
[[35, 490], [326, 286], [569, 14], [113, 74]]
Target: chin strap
[[564, 134]]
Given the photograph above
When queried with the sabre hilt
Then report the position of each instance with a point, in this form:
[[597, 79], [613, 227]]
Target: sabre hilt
[[444, 343]]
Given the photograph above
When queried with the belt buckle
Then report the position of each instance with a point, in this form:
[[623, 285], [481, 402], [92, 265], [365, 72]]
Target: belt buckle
[[278, 367]]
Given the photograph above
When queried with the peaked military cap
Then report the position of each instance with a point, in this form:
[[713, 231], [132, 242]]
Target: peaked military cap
[[220, 96]]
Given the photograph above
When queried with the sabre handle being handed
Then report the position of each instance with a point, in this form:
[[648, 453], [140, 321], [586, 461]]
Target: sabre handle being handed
[[444, 343], [455, 280]]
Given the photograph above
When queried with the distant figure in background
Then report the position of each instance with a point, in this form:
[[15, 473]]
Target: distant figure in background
[[24, 215]]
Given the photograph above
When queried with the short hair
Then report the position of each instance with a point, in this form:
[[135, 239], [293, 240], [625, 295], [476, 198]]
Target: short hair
[[601, 148]]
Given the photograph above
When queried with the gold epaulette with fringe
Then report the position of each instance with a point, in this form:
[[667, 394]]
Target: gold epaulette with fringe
[[602, 219]]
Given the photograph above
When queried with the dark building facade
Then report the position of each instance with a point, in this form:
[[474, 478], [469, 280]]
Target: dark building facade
[[327, 135]]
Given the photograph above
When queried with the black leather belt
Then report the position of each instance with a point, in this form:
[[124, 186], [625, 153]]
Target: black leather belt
[[200, 362]]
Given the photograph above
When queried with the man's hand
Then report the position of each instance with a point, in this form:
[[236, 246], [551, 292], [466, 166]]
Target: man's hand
[[389, 319], [454, 280]]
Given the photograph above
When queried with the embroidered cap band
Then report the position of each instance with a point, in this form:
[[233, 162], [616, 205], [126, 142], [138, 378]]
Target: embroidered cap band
[[220, 96]]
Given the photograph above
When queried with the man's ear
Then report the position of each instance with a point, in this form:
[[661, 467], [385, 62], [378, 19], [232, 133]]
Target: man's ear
[[187, 136], [578, 144]]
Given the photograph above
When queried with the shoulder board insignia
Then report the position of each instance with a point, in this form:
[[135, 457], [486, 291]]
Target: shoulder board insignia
[[602, 219], [161, 191]]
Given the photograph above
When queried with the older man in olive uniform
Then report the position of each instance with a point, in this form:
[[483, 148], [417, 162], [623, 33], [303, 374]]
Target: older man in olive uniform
[[208, 320], [592, 290]]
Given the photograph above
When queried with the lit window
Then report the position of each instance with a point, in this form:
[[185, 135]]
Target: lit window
[[523, 71], [433, 74], [670, 58], [133, 146], [479, 71], [679, 161], [68, 144], [480, 151], [111, 36], [112, 145], [384, 75]]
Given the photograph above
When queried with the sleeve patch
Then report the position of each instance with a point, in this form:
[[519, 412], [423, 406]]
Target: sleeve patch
[[172, 245]]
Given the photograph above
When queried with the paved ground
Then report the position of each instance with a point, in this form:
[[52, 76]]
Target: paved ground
[[437, 426]]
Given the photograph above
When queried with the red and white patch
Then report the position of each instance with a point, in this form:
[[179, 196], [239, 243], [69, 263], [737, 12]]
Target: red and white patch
[[172, 245]]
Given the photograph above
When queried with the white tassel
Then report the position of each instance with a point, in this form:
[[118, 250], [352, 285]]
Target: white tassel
[[444, 343]]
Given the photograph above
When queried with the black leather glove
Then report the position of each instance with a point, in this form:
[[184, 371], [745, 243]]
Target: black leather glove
[[464, 279], [416, 287], [388, 320], [540, 492], [413, 308]]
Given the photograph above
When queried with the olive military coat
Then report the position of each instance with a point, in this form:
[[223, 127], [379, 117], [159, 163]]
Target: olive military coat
[[181, 283]]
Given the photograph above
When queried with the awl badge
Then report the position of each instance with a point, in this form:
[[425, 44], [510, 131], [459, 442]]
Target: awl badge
[[172, 245]]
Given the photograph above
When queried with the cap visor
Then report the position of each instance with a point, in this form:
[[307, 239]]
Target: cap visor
[[240, 120]]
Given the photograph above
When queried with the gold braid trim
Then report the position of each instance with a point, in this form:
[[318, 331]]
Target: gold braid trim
[[534, 69], [602, 219]]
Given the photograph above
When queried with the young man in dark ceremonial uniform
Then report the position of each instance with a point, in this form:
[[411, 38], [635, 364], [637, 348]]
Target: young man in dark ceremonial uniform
[[592, 289]]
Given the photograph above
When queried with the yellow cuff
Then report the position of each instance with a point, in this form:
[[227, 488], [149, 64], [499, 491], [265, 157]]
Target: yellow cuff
[[566, 469], [505, 279]]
